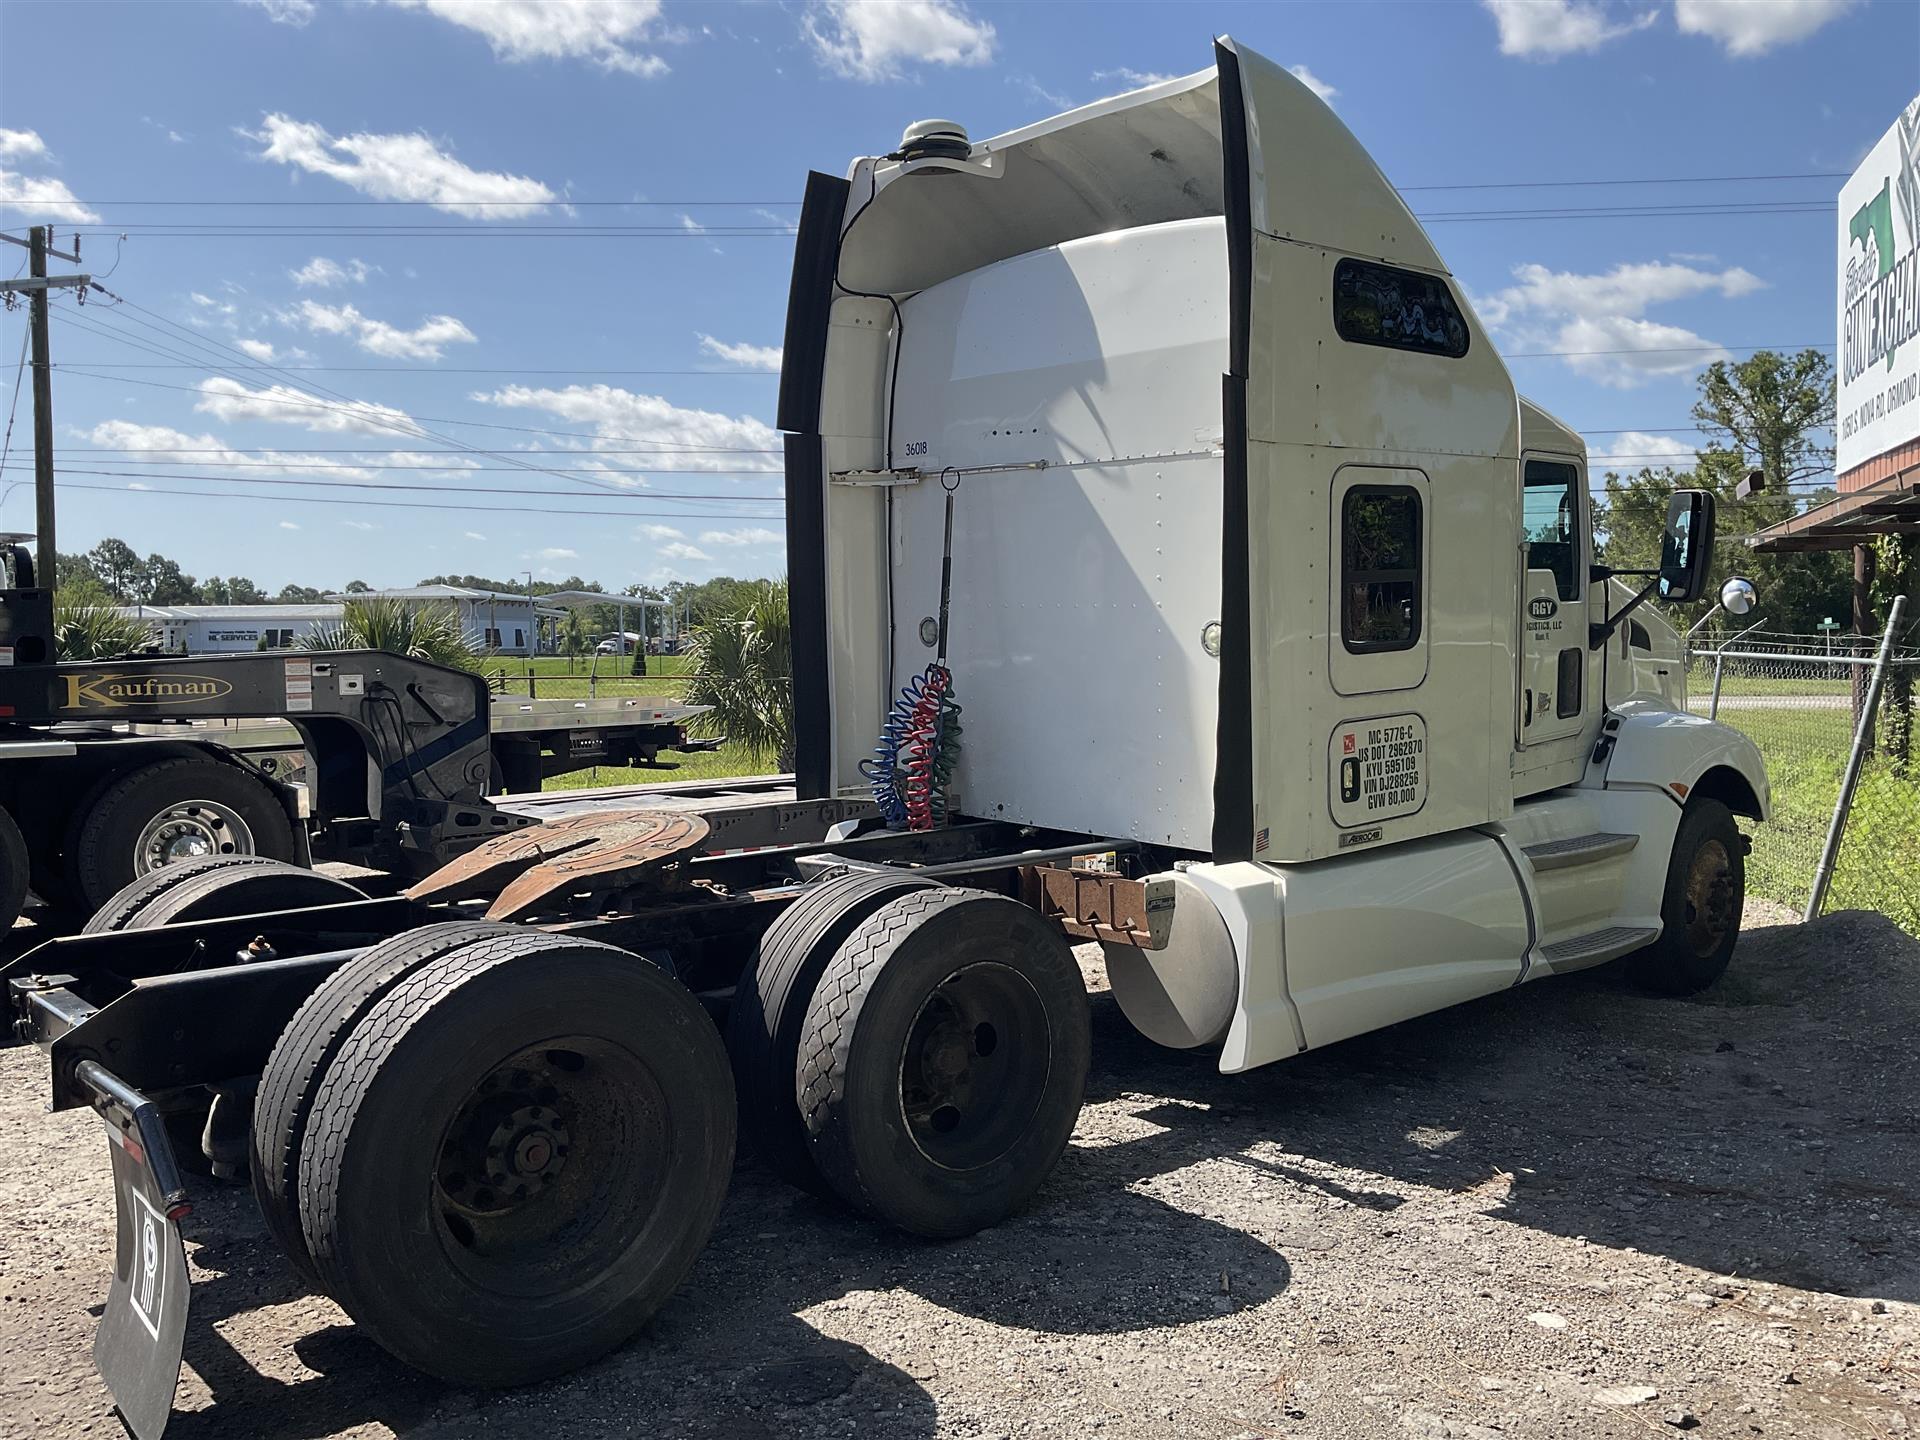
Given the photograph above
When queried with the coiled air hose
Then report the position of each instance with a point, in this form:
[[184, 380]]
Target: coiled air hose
[[919, 746]]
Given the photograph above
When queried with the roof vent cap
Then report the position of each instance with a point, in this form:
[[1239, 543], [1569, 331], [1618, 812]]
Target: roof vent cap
[[935, 140]]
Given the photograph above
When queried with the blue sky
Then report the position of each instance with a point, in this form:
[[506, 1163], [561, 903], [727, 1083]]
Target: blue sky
[[565, 114]]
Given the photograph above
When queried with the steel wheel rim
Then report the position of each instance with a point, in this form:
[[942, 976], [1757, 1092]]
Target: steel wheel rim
[[1709, 898], [190, 830], [553, 1166], [974, 1067]]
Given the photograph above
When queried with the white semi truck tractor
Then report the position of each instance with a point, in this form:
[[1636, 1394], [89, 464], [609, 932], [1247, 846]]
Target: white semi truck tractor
[[1257, 559], [1173, 565]]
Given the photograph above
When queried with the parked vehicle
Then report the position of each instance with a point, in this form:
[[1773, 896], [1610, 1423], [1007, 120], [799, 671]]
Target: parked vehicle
[[1154, 442]]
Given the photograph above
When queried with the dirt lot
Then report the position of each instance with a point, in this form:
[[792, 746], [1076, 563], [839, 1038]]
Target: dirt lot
[[1567, 1211]]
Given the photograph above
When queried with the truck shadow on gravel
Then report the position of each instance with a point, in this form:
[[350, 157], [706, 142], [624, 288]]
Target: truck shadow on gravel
[[1765, 1128]]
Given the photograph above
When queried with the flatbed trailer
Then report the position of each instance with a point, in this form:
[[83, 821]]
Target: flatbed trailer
[[111, 769]]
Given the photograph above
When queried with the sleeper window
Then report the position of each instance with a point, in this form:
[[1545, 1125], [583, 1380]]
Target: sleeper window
[[1551, 517], [1380, 568], [1401, 309]]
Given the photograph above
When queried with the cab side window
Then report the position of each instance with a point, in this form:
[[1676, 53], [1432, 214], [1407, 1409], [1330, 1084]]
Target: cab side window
[[1380, 569], [1551, 517]]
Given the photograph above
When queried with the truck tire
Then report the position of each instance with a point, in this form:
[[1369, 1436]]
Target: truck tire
[[1700, 911], [944, 1060], [516, 1155], [300, 1058], [174, 809], [15, 868], [770, 1011], [216, 887]]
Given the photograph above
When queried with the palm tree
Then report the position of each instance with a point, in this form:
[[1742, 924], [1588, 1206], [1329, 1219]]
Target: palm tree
[[85, 630], [423, 632], [742, 666]]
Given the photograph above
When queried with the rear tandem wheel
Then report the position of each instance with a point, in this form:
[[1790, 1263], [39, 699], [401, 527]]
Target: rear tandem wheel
[[944, 1059], [515, 1156]]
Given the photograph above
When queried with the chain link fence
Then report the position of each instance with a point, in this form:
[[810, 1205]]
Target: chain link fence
[[1800, 699]]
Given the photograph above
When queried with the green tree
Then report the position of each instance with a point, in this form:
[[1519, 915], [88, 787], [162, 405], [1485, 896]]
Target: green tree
[[573, 635], [299, 595], [87, 630], [358, 587], [742, 666], [419, 632], [242, 591], [1772, 410], [167, 583], [119, 568]]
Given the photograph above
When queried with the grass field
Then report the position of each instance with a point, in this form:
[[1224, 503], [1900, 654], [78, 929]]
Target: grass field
[[1806, 755], [722, 764]]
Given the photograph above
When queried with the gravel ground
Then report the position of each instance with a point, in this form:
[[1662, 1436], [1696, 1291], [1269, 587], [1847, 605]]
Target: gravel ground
[[1570, 1210]]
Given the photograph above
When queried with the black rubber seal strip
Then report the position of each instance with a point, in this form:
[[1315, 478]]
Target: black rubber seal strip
[[816, 254], [807, 611], [1233, 758]]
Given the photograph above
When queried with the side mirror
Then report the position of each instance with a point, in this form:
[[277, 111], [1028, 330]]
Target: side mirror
[[1686, 554], [1737, 596]]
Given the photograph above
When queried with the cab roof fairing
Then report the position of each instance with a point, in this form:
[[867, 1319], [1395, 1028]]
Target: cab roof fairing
[[1141, 158], [1540, 429]]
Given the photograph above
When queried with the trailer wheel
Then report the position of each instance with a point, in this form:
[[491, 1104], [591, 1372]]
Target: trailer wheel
[[216, 887], [770, 1011], [1706, 890], [944, 1060], [14, 871], [516, 1156], [299, 1062], [174, 810]]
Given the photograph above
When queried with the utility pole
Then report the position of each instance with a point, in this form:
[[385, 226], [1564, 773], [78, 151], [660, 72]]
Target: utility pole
[[37, 287], [42, 414]]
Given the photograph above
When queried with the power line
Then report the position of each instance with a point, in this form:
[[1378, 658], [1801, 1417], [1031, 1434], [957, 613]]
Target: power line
[[440, 489], [421, 504], [794, 204]]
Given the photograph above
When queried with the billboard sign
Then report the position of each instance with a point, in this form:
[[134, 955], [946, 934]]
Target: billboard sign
[[1878, 407]]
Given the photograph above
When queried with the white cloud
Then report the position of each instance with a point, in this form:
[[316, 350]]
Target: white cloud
[[1312, 81], [41, 197], [286, 12], [475, 535], [136, 485], [18, 144], [1548, 29], [359, 525], [785, 222], [261, 350], [870, 39], [558, 552], [1132, 79], [400, 167], [603, 31], [1040, 92], [322, 273], [424, 342], [284, 405], [619, 417], [1599, 322], [660, 532], [747, 535], [692, 226], [759, 357], [1632, 448], [680, 550], [288, 525], [1752, 27], [165, 445]]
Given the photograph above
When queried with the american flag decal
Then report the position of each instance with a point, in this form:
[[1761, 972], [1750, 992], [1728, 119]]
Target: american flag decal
[[1260, 840]]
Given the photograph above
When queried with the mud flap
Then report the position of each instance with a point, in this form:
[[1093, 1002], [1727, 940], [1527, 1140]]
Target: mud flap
[[137, 1347]]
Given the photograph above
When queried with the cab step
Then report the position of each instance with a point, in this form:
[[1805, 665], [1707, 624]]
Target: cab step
[[1598, 945], [1578, 850]]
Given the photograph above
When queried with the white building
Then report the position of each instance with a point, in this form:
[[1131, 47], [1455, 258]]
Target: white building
[[222, 629], [500, 622]]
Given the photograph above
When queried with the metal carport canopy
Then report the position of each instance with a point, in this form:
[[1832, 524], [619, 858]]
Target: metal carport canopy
[[1887, 507]]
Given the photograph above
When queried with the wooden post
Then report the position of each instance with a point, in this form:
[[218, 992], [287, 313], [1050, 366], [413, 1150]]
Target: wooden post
[[1863, 565], [46, 549]]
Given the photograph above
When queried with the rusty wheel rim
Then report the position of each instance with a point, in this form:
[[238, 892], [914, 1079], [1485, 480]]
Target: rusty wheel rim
[[1709, 898]]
